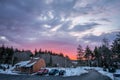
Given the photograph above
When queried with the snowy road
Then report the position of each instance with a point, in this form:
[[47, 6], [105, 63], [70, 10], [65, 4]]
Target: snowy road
[[92, 75]]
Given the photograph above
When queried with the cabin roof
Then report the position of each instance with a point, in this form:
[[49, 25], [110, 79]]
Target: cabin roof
[[28, 63]]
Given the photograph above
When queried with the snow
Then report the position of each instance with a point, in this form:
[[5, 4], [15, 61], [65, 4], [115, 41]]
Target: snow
[[28, 65], [106, 73], [4, 65], [23, 63], [7, 71], [75, 71], [81, 70], [75, 62], [118, 71], [69, 71], [72, 71]]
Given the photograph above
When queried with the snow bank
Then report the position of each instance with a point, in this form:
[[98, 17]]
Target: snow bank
[[7, 71], [72, 71], [106, 73], [100, 70], [117, 71], [75, 71]]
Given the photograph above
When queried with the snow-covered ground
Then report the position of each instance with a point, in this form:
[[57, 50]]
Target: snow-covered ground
[[69, 71], [7, 71], [80, 70], [72, 71], [75, 71], [106, 73]]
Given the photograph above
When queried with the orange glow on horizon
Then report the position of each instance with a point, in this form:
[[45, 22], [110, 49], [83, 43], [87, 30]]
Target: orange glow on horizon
[[68, 53], [67, 50]]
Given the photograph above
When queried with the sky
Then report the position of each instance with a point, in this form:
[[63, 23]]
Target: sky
[[58, 25]]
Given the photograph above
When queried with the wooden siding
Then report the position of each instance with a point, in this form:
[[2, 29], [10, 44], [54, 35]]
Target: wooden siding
[[39, 64]]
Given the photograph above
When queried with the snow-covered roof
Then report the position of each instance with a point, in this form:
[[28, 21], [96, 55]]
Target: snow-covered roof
[[4, 65], [27, 63], [23, 63], [74, 62]]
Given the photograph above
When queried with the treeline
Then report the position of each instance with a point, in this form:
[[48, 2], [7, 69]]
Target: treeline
[[104, 55], [40, 51], [7, 53], [50, 59]]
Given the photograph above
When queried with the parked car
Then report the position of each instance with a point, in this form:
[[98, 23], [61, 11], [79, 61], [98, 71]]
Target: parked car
[[54, 72], [62, 72], [42, 72]]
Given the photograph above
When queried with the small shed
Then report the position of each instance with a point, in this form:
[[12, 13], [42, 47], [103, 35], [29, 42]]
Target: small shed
[[30, 66]]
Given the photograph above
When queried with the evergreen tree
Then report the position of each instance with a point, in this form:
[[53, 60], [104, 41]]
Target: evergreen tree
[[100, 56], [23, 50], [80, 53], [105, 52], [2, 53], [67, 57], [40, 51], [45, 51], [88, 55], [116, 46], [16, 50], [36, 53], [97, 55], [105, 42], [50, 63], [61, 54]]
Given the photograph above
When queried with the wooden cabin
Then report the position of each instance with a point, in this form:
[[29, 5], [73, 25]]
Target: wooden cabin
[[30, 66]]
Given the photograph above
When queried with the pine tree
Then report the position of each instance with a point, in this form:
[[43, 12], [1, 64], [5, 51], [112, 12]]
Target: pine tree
[[80, 53], [100, 56], [40, 51], [2, 51], [97, 55], [106, 53], [61, 54], [16, 50], [36, 53], [116, 46], [88, 55], [50, 63]]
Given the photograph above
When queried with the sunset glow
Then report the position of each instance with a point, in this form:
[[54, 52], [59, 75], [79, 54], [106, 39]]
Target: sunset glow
[[58, 25]]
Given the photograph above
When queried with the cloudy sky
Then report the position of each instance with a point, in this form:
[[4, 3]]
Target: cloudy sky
[[58, 25]]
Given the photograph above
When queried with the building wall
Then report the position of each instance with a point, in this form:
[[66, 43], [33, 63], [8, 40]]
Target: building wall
[[25, 70], [39, 64]]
